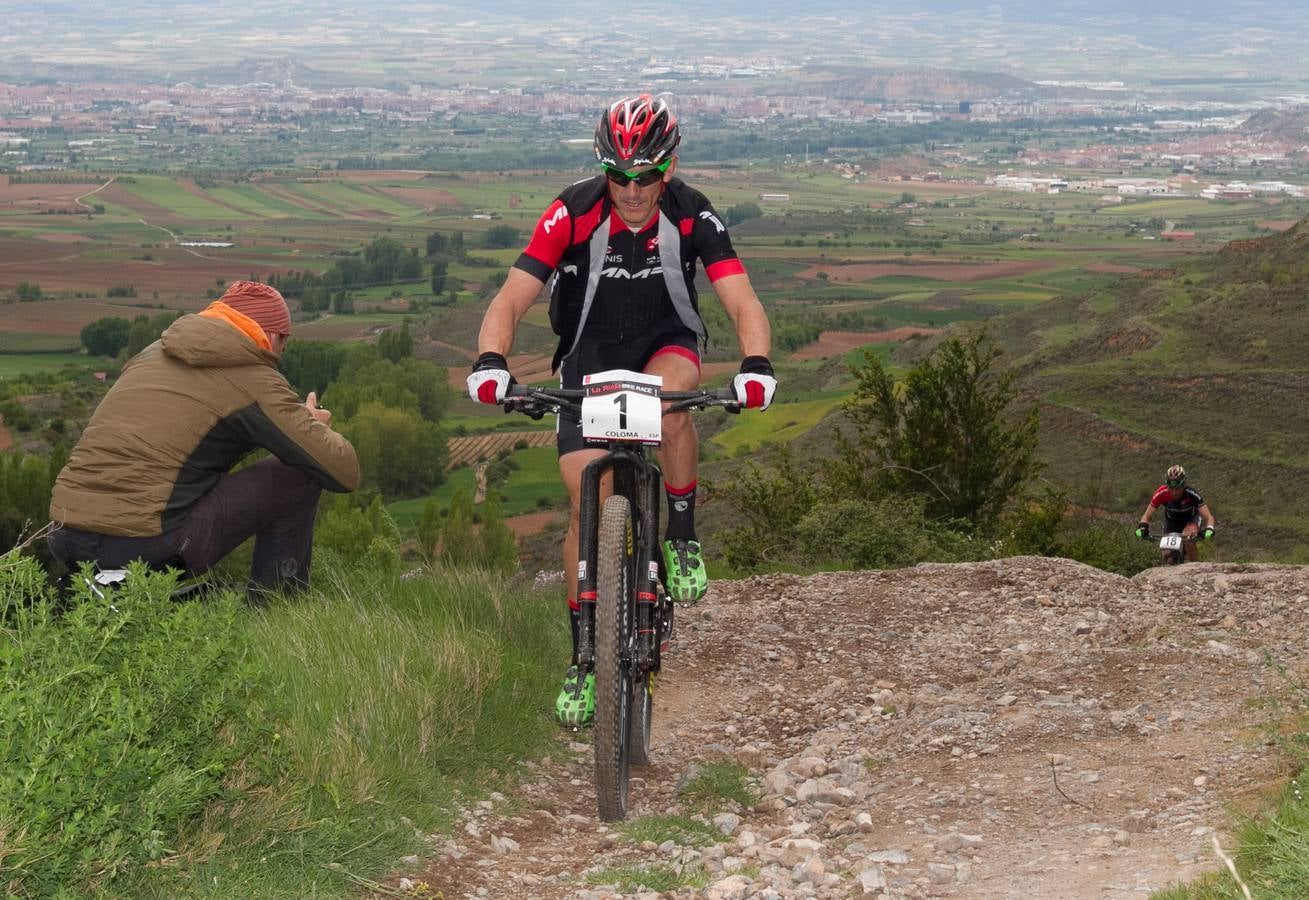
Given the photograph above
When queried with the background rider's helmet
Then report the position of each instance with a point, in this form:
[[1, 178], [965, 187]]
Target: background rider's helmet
[[1175, 476], [638, 131]]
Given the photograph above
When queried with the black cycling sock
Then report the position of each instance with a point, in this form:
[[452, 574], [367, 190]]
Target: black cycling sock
[[681, 512], [574, 622]]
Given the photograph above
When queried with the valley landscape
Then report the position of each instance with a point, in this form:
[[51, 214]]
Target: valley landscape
[[1119, 209]]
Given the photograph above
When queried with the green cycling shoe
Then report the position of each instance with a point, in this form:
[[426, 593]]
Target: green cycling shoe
[[686, 579], [575, 705]]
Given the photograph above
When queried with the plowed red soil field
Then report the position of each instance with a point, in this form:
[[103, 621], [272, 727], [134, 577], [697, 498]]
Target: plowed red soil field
[[940, 271], [835, 343], [62, 317], [41, 197], [428, 198]]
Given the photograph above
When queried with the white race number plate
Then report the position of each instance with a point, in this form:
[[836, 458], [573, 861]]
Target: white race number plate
[[622, 406], [1170, 542]]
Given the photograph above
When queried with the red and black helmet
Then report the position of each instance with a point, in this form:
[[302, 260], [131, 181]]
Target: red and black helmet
[[638, 131]]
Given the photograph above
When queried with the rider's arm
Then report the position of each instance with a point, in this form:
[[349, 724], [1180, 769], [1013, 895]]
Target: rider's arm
[[506, 310], [746, 312], [1208, 516], [1148, 514]]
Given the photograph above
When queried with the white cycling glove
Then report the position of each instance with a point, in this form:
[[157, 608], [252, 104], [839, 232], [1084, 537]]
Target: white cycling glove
[[490, 380], [755, 384]]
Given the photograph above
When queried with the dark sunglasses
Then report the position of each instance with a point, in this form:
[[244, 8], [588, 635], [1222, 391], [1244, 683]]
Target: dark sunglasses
[[642, 179], [1175, 482]]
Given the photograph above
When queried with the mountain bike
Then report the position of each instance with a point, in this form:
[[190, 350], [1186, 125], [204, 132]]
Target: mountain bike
[[626, 620], [1172, 546]]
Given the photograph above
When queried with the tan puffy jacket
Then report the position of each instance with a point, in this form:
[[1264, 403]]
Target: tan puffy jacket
[[182, 413]]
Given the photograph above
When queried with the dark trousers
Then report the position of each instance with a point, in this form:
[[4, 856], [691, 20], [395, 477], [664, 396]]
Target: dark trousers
[[270, 501]]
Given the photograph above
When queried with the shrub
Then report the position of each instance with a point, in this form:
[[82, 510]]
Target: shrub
[[119, 718], [883, 534], [950, 432]]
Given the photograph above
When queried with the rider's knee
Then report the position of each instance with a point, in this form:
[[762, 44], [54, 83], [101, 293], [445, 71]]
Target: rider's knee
[[678, 427]]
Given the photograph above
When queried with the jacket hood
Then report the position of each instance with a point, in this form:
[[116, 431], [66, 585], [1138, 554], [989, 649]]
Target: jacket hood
[[212, 342]]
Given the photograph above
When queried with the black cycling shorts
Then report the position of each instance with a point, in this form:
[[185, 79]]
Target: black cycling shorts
[[1177, 524], [598, 355]]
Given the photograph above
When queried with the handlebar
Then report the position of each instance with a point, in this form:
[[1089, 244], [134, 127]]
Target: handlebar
[[567, 402], [1191, 538]]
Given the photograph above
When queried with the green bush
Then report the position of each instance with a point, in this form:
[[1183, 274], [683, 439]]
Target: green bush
[[119, 719], [1107, 545], [883, 534], [1044, 528]]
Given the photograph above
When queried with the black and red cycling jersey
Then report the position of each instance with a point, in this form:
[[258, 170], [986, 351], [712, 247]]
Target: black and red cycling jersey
[[631, 296], [1179, 511]]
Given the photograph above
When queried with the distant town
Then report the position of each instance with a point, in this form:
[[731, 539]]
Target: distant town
[[1106, 126]]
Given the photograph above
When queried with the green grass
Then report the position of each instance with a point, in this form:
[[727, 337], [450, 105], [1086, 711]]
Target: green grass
[[1272, 854], [537, 476], [169, 194], [14, 365], [682, 830], [780, 423], [393, 700], [654, 877], [407, 513], [492, 420], [717, 784], [256, 202], [35, 342]]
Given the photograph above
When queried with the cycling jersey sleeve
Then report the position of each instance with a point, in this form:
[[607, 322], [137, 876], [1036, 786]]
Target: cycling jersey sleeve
[[1160, 497], [549, 242], [713, 244]]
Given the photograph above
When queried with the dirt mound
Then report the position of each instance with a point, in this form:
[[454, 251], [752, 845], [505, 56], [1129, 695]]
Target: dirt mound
[[1026, 727]]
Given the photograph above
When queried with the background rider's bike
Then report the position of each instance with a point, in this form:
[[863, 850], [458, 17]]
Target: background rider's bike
[[1172, 546], [626, 619]]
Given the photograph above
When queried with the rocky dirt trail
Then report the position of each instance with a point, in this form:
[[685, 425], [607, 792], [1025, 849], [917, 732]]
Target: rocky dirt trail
[[1022, 728]]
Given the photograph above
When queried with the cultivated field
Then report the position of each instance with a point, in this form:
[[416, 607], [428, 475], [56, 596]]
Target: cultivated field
[[467, 451]]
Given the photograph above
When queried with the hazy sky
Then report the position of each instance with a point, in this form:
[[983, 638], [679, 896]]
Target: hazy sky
[[1027, 38]]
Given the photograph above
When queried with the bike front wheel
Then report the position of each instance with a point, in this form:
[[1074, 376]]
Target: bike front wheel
[[638, 727], [614, 688]]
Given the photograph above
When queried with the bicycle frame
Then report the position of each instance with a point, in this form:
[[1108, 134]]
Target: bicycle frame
[[637, 478]]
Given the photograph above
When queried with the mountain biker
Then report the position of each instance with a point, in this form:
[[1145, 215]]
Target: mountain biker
[[620, 249], [150, 477], [1184, 511]]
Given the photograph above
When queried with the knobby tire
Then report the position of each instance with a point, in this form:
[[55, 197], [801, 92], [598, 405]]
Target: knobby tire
[[613, 684], [638, 730]]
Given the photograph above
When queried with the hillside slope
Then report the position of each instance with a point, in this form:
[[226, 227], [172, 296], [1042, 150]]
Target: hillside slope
[[1202, 365], [1019, 728]]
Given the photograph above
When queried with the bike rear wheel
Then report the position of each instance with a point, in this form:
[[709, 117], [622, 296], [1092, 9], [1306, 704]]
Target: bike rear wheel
[[614, 688]]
